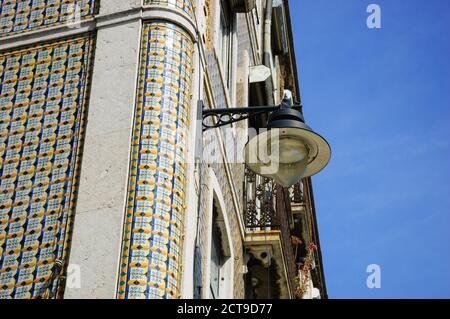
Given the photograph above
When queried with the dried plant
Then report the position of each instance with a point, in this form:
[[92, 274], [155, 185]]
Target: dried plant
[[304, 274]]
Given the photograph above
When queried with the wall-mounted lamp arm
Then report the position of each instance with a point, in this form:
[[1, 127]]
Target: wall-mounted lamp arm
[[226, 116]]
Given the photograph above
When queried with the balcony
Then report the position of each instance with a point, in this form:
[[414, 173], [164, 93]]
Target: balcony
[[278, 232]]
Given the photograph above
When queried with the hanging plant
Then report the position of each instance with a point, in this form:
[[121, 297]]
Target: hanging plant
[[304, 274]]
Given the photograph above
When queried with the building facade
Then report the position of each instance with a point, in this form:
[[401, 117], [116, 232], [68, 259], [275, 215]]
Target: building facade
[[105, 192]]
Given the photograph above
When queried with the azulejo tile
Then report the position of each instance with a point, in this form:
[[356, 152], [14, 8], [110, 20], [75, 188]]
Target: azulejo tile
[[17, 16], [153, 227], [42, 106]]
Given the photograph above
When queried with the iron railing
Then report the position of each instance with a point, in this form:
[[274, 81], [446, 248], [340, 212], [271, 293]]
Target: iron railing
[[267, 206], [260, 206], [259, 202]]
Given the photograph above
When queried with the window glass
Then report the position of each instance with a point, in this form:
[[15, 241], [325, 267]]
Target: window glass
[[224, 41], [215, 263], [217, 257]]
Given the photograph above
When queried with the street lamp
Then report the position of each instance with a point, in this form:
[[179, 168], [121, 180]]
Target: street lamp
[[287, 151]]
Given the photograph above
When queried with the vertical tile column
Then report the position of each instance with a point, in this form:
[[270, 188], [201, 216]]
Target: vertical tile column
[[153, 230]]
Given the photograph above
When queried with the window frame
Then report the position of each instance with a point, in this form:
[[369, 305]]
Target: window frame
[[216, 204], [224, 41]]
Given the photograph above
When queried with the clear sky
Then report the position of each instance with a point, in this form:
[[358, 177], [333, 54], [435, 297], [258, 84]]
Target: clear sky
[[382, 99]]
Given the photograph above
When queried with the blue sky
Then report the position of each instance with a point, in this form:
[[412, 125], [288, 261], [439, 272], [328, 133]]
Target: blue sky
[[382, 99]]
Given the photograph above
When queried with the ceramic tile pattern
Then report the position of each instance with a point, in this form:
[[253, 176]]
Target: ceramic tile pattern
[[17, 16], [153, 228], [43, 97]]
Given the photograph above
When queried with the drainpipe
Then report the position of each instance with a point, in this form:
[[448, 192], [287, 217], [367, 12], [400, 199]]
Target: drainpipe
[[268, 51]]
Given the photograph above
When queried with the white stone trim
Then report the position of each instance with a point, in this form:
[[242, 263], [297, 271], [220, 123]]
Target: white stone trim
[[102, 20], [192, 189], [226, 290], [43, 35], [169, 14], [103, 189]]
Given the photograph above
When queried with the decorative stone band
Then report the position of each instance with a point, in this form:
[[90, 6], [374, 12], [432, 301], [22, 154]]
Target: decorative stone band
[[43, 94], [17, 16], [184, 5], [153, 229]]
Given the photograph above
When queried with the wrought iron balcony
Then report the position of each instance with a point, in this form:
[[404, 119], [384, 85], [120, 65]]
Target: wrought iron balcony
[[260, 205], [259, 201], [277, 234], [269, 237]]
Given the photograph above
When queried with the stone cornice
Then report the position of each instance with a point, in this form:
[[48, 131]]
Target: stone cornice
[[100, 21]]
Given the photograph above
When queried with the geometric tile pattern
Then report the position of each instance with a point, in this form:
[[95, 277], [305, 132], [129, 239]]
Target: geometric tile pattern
[[153, 228], [184, 5], [43, 96], [21, 15]]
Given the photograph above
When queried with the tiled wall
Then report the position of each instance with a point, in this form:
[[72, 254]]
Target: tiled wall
[[43, 97], [153, 229], [17, 16]]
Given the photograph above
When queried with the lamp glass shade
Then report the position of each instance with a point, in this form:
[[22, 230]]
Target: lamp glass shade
[[291, 151], [287, 154]]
